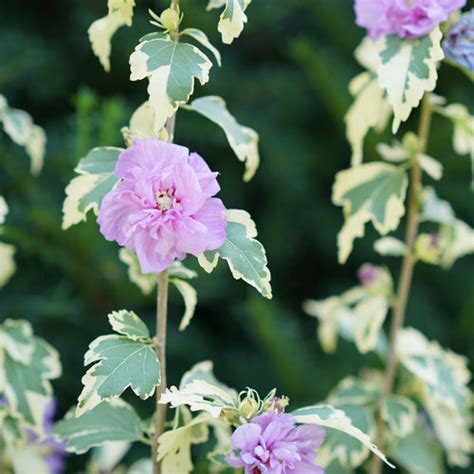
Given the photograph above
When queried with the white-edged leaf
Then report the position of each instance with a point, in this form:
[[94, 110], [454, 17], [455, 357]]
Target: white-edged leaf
[[435, 209], [189, 295], [109, 421], [370, 109], [408, 69], [369, 316], [19, 126], [202, 38], [86, 191], [121, 363], [16, 338], [105, 458], [232, 19], [432, 167], [174, 446], [27, 388], [355, 391], [244, 254], [395, 153], [172, 69], [178, 270], [400, 414], [330, 417], [146, 283], [443, 377], [129, 324], [390, 247], [243, 140], [369, 192], [102, 30]]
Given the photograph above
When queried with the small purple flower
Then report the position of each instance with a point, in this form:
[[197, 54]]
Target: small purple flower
[[163, 208], [368, 274], [272, 443], [404, 18], [459, 43]]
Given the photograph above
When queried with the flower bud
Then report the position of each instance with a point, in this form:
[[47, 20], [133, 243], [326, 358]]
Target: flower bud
[[428, 248], [459, 43], [170, 19], [376, 279]]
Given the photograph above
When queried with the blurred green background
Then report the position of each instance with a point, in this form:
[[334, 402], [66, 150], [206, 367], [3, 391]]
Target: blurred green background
[[286, 77]]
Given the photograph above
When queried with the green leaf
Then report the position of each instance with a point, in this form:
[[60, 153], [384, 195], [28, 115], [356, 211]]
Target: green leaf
[[189, 295], [418, 452], [400, 414], [27, 387], [129, 324], [202, 38], [86, 191], [336, 419], [16, 339], [232, 19], [19, 126], [369, 110], [102, 30], [174, 446], [244, 254], [172, 69], [408, 69], [369, 192], [243, 140], [443, 377], [109, 421], [390, 247], [121, 363]]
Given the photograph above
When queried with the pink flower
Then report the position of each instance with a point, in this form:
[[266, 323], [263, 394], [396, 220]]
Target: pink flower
[[405, 18], [272, 443], [163, 208]]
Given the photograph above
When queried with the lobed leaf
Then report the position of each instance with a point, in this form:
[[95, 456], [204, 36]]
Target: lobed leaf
[[400, 414], [243, 140], [202, 38], [232, 19], [121, 363], [370, 192], [244, 254], [129, 324], [16, 338], [172, 69], [108, 421], [407, 69]]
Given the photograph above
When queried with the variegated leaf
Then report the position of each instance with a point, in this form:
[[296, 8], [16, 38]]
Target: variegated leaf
[[244, 254], [174, 446], [189, 295], [444, 379], [369, 192], [146, 283], [369, 110], [390, 246], [120, 363], [232, 19], [202, 38], [86, 191], [172, 69], [400, 414], [243, 140], [102, 30], [355, 391], [109, 421], [16, 338], [7, 263], [408, 69], [129, 324], [336, 419], [19, 126]]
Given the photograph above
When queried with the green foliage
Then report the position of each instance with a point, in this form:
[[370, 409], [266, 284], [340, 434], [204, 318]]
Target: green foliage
[[122, 361], [244, 254], [108, 421]]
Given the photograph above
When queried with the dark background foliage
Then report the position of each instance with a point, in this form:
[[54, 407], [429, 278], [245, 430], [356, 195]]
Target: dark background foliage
[[286, 77]]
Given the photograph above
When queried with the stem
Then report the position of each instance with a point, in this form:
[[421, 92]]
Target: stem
[[160, 349], [406, 274]]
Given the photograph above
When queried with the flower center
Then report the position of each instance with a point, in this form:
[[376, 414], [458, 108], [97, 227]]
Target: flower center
[[163, 200]]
